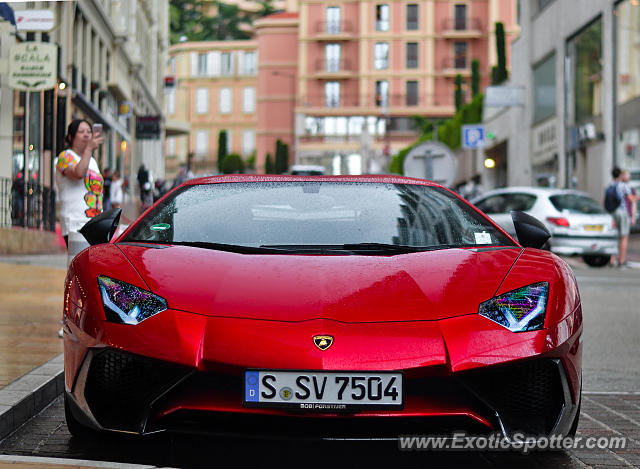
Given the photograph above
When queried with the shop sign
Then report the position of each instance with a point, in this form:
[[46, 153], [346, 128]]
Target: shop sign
[[33, 66], [34, 20], [125, 109], [544, 142], [148, 127]]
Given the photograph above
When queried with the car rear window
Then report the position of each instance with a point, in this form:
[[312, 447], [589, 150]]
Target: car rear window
[[505, 203], [314, 213], [576, 203]]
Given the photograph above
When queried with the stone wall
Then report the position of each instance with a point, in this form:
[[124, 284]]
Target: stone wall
[[23, 241]]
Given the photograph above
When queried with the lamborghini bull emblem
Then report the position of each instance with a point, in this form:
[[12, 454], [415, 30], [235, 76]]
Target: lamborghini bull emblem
[[323, 342]]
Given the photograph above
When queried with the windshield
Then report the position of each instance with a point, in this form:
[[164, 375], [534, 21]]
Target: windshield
[[304, 213], [576, 203]]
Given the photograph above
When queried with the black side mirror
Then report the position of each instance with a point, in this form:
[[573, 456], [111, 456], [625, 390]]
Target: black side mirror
[[531, 232], [100, 229]]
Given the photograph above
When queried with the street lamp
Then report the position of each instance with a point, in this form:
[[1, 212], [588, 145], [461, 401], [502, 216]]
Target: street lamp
[[292, 78]]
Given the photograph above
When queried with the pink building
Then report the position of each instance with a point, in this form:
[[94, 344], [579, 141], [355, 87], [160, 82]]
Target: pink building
[[340, 81]]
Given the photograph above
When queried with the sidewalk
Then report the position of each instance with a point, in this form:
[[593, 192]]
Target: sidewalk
[[30, 312]]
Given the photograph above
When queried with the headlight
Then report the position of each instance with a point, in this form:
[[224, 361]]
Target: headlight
[[519, 310], [124, 303]]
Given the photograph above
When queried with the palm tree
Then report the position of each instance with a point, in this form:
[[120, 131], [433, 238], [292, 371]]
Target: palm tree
[[266, 8], [227, 24]]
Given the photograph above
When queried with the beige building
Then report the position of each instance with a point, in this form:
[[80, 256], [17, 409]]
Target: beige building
[[215, 91], [112, 58]]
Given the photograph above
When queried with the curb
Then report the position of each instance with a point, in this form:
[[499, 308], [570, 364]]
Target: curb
[[30, 461], [26, 396]]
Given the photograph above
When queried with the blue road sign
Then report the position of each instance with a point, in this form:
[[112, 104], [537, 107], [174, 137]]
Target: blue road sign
[[473, 136]]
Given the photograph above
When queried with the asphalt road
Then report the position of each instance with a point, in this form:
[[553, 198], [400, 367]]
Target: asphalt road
[[611, 309], [610, 407]]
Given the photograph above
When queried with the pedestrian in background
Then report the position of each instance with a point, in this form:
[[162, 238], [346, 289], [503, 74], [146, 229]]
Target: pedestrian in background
[[145, 184], [17, 200], [106, 197], [617, 195], [630, 202], [117, 195], [78, 179]]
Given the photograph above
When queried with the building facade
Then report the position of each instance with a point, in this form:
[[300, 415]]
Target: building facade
[[215, 90], [111, 64], [361, 69], [579, 69]]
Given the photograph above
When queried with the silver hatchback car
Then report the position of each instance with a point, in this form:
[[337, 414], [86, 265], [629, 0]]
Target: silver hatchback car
[[578, 224]]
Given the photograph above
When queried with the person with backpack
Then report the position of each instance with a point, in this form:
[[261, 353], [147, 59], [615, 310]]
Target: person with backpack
[[616, 196]]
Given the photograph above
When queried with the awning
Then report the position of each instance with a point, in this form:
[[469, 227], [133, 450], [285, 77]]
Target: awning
[[175, 128]]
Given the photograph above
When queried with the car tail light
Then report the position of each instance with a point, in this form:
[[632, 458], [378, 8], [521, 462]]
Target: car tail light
[[558, 221]]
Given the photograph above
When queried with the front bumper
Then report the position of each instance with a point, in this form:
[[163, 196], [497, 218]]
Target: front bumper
[[123, 392]]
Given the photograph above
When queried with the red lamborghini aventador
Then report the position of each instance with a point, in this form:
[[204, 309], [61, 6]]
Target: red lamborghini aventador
[[328, 307]]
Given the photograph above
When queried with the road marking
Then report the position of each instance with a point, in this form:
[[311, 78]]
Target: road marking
[[615, 412], [607, 427]]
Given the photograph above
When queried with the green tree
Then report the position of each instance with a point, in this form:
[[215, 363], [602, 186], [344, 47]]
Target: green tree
[[285, 157], [199, 20], [282, 157], [232, 164], [424, 125], [227, 24], [268, 164], [251, 161], [499, 72], [184, 15], [222, 148], [266, 8], [449, 132], [475, 77], [458, 92]]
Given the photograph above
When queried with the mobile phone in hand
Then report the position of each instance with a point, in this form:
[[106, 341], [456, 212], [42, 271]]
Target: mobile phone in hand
[[97, 129]]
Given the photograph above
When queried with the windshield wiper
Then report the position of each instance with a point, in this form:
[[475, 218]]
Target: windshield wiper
[[362, 248], [401, 248], [220, 247], [377, 247]]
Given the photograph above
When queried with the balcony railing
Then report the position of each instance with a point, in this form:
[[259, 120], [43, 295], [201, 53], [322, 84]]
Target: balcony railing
[[455, 63], [461, 25], [333, 66], [371, 101], [391, 137], [27, 205], [334, 27]]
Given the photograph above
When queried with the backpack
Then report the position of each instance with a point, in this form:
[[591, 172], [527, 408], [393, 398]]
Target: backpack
[[612, 199]]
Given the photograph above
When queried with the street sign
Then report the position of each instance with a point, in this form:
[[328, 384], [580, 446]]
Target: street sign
[[504, 96], [35, 20], [433, 161], [33, 66], [473, 136]]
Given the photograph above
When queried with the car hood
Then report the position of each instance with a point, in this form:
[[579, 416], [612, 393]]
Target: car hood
[[418, 286]]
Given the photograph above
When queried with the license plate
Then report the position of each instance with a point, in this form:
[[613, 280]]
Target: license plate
[[593, 227], [322, 391]]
